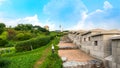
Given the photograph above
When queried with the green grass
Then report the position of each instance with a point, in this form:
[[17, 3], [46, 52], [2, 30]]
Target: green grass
[[25, 59], [29, 58], [52, 60]]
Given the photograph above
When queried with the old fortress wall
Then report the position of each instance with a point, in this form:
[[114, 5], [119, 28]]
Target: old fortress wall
[[99, 43]]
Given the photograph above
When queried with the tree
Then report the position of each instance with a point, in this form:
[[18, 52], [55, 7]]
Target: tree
[[2, 26], [11, 34], [40, 29], [24, 27]]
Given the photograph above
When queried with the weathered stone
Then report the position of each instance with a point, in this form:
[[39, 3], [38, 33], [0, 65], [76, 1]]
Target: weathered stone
[[118, 52], [118, 44], [113, 65], [80, 65], [64, 59], [118, 60], [118, 65], [70, 64], [67, 47]]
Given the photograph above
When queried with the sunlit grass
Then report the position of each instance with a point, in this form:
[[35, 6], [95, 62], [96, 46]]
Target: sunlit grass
[[29, 58]]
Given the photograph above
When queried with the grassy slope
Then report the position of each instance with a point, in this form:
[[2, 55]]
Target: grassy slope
[[26, 59], [52, 60]]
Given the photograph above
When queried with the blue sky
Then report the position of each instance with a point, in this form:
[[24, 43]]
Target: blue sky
[[71, 14]]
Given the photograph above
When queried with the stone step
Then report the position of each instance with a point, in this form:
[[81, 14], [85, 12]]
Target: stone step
[[68, 47], [75, 64]]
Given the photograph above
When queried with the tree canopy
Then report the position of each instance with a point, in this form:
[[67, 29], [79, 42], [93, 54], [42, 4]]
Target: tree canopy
[[2, 26]]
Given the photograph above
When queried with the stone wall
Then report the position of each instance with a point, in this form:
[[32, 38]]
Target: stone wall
[[75, 37], [98, 50], [106, 49], [116, 53]]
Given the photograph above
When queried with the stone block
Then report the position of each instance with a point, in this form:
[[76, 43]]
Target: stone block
[[79, 65], [118, 59], [64, 59], [114, 51], [118, 44], [86, 65], [114, 65], [70, 64], [118, 65], [110, 64], [114, 44], [114, 56], [118, 51]]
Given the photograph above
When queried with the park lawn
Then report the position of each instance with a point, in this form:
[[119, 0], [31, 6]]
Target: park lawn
[[27, 59]]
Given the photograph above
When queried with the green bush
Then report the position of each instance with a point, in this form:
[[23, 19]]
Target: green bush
[[3, 42], [34, 43], [7, 51], [10, 44], [27, 36], [19, 36], [4, 35], [4, 63], [23, 36]]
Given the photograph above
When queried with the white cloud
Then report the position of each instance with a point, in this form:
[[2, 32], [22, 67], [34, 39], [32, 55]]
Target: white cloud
[[27, 20], [81, 23], [68, 11], [2, 1], [98, 19], [107, 5], [77, 12]]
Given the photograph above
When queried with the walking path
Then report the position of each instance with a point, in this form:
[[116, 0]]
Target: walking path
[[72, 56]]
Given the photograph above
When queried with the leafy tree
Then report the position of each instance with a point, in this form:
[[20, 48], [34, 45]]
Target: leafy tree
[[40, 29], [11, 34], [24, 27], [2, 26]]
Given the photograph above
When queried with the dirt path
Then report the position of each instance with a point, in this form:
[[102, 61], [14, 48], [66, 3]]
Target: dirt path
[[42, 59]]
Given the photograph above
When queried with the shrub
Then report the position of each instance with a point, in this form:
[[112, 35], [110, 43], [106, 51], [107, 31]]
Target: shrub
[[3, 42], [4, 63], [34, 42], [19, 36], [23, 36], [27, 36], [10, 44], [4, 35]]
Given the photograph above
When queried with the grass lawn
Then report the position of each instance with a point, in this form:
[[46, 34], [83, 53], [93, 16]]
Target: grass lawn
[[28, 59]]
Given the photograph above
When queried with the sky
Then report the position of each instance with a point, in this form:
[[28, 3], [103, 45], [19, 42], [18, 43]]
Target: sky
[[70, 14]]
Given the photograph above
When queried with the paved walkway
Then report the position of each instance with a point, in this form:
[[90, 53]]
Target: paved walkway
[[73, 54]]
